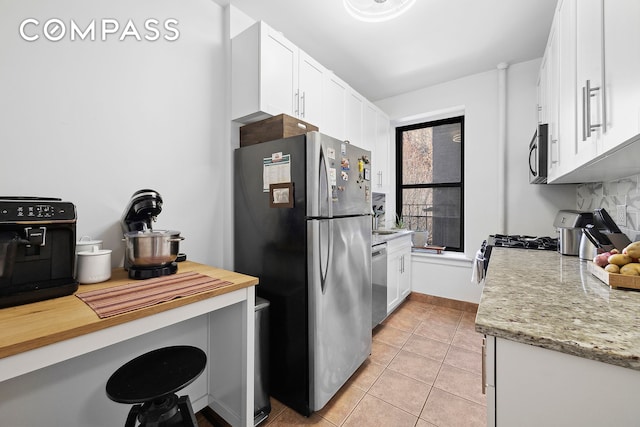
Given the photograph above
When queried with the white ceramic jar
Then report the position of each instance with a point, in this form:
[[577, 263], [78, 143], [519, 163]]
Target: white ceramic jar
[[94, 266], [85, 244]]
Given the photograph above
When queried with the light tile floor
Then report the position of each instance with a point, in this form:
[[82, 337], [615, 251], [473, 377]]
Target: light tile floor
[[424, 371]]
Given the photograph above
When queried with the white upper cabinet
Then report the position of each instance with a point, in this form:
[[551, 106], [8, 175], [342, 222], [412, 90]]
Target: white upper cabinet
[[309, 96], [335, 93], [595, 132], [622, 71], [564, 149], [376, 137], [369, 126], [382, 168], [271, 76], [354, 120], [551, 71], [590, 101]]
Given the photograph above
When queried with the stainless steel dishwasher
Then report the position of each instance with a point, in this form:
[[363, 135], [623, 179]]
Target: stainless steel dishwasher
[[379, 283]]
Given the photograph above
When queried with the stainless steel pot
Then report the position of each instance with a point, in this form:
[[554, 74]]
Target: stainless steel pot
[[152, 247]]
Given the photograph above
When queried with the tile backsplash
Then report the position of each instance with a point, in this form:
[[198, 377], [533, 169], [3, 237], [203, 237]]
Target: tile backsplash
[[609, 195]]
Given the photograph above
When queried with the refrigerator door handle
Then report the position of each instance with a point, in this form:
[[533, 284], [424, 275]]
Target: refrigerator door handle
[[324, 195], [326, 251]]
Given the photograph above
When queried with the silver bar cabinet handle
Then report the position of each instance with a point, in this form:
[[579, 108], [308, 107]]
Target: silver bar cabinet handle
[[484, 365]]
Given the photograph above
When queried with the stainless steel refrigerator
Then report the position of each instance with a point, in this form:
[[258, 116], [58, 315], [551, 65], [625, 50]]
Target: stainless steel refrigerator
[[302, 225]]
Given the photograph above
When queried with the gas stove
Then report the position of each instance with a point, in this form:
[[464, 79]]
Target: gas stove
[[524, 242], [509, 241]]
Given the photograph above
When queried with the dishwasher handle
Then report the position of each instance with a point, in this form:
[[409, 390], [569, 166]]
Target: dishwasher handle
[[379, 252]]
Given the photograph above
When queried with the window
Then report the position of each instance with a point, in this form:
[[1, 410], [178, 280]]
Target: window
[[430, 180]]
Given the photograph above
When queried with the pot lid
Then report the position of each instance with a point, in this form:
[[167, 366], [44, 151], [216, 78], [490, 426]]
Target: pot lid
[[151, 233]]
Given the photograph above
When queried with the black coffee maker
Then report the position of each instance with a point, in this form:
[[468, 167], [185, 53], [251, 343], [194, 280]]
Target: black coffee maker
[[37, 249]]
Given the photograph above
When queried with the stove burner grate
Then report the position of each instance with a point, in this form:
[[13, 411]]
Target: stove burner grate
[[523, 241]]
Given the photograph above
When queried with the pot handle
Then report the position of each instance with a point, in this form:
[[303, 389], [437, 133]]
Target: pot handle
[[175, 239]]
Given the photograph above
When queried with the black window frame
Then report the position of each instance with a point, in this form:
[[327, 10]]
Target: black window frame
[[399, 169]]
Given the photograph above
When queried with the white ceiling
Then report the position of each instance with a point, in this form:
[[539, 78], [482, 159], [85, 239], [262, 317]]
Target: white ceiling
[[434, 42]]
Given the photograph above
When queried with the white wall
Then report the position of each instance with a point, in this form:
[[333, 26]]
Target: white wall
[[477, 96], [530, 209], [93, 121]]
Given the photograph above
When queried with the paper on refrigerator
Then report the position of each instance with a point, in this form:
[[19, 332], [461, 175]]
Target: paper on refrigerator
[[276, 170]]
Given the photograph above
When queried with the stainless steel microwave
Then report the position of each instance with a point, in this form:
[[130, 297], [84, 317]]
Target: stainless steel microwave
[[538, 155]]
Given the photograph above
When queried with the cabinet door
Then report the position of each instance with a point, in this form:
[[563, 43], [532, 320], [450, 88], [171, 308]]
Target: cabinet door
[[489, 377], [354, 116], [393, 280], [539, 387], [369, 133], [334, 98], [404, 286], [310, 74], [398, 271], [381, 170], [588, 79], [551, 69], [566, 35], [542, 90], [278, 73], [622, 65]]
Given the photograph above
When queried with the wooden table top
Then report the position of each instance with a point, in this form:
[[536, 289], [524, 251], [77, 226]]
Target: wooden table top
[[29, 326]]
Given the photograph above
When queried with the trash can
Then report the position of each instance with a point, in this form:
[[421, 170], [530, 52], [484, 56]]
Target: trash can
[[262, 405]]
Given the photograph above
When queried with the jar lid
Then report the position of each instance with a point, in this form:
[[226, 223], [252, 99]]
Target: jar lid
[[87, 240], [95, 251]]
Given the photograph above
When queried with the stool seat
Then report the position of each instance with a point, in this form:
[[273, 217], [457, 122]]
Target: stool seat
[[156, 374]]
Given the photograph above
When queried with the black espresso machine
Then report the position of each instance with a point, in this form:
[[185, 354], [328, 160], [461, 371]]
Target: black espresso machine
[[37, 249]]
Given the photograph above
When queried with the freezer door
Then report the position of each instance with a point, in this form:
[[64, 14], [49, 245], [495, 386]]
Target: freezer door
[[338, 178], [339, 261]]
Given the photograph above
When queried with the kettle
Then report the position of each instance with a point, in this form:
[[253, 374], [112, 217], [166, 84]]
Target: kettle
[[587, 249]]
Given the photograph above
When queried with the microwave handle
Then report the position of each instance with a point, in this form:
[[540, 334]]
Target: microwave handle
[[531, 149]]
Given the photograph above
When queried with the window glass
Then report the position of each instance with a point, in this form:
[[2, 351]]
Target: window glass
[[430, 180]]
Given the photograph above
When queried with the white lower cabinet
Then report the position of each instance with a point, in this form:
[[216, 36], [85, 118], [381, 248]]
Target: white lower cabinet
[[533, 386], [398, 271]]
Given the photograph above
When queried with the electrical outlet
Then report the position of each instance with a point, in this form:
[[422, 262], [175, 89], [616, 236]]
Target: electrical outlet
[[621, 215]]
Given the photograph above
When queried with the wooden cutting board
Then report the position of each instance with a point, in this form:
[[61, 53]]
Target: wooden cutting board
[[612, 279]]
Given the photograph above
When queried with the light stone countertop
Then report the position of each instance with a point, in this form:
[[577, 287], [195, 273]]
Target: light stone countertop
[[549, 300], [382, 238]]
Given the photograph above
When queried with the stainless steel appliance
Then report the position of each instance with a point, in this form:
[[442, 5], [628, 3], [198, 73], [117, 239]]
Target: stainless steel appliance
[[148, 253], [588, 250], [569, 224], [302, 225], [508, 241], [261, 402], [538, 149], [37, 249], [378, 283]]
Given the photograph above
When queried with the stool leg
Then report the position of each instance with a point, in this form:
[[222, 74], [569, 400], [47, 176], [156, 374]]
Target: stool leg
[[189, 418]]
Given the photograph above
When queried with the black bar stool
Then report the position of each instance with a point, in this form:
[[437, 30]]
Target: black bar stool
[[150, 382]]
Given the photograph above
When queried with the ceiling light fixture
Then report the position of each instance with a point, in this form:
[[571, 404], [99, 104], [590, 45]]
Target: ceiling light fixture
[[377, 10]]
